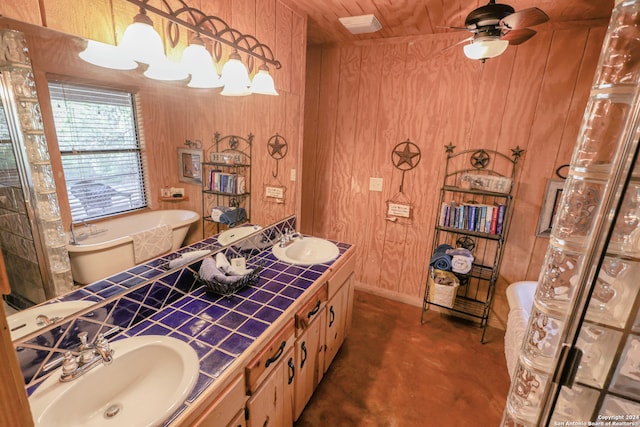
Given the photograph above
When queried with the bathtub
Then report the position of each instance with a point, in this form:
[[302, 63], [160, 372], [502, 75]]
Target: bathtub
[[520, 297], [109, 249]]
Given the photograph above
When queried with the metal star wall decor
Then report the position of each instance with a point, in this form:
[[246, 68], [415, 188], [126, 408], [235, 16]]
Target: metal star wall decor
[[277, 147], [405, 153], [405, 156]]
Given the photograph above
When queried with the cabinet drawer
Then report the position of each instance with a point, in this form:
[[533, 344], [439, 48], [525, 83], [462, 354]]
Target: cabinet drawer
[[341, 274], [260, 367], [311, 309], [225, 407]]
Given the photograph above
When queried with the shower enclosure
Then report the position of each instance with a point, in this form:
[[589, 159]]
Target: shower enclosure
[[31, 233]]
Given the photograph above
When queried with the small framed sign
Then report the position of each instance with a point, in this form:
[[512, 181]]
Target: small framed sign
[[274, 193], [398, 209]]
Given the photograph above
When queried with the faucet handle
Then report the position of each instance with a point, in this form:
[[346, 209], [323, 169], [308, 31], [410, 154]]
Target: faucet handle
[[69, 364], [83, 338], [101, 342]]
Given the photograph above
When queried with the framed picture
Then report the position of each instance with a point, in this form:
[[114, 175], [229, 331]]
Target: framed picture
[[552, 196], [189, 166]]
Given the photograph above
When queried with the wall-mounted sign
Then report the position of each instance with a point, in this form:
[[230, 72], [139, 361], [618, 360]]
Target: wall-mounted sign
[[400, 210], [273, 193]]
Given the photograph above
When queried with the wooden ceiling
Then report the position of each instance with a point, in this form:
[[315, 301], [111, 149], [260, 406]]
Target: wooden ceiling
[[418, 17]]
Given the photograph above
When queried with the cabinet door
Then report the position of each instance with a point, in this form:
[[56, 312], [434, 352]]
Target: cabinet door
[[272, 404], [336, 322], [309, 361]]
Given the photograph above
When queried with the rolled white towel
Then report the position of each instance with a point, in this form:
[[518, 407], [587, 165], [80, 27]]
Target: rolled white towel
[[461, 264], [209, 271], [222, 263]]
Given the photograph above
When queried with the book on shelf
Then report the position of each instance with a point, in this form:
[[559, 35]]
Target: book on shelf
[[223, 182], [477, 217]]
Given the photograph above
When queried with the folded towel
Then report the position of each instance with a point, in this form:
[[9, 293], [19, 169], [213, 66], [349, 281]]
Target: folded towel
[[461, 264], [461, 260], [440, 260], [152, 242]]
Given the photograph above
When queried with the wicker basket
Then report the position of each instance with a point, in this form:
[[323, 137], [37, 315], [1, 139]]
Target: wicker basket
[[226, 289], [442, 294]]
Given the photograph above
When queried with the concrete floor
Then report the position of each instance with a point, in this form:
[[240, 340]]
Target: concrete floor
[[393, 371]]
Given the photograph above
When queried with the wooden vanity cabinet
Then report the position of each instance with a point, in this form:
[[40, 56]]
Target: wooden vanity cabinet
[[339, 310], [270, 382], [309, 349]]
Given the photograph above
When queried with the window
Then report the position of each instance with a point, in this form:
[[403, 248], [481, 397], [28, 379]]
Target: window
[[100, 150]]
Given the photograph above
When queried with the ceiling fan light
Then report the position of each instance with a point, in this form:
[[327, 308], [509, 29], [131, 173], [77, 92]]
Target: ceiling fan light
[[485, 49]]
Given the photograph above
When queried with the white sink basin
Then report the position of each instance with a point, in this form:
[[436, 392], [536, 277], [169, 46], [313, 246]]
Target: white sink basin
[[26, 321], [148, 380], [307, 251], [234, 234]]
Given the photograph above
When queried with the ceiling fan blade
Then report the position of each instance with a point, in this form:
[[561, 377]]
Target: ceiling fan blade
[[515, 37], [524, 18], [457, 28]]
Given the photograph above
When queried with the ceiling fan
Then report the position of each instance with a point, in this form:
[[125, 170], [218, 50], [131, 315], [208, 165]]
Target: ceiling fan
[[495, 26]]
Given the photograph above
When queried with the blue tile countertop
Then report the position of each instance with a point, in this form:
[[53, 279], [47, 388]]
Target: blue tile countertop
[[175, 304]]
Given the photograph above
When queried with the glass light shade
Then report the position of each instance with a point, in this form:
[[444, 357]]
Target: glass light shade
[[107, 56], [235, 77], [142, 43], [166, 70], [263, 83], [485, 49], [197, 61]]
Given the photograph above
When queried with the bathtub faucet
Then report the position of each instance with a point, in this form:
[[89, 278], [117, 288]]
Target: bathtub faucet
[[75, 237]]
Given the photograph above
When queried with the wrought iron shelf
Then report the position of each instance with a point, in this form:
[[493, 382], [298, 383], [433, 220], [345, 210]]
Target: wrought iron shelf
[[482, 272], [476, 191], [232, 144], [469, 232], [474, 295], [466, 306], [222, 193], [227, 165]]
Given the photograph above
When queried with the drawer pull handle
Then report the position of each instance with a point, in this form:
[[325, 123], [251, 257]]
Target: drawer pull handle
[[292, 369], [277, 355], [303, 346], [333, 316], [266, 422], [314, 311]]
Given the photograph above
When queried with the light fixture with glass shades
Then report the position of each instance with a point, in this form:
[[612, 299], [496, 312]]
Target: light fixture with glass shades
[[197, 61], [106, 55], [142, 44], [262, 82], [235, 77]]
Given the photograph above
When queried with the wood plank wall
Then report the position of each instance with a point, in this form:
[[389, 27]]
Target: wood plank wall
[[364, 98], [172, 113]]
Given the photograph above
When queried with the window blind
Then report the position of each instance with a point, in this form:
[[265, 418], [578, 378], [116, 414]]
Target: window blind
[[100, 149]]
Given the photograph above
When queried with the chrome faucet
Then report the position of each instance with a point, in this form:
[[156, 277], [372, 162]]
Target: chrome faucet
[[90, 355], [288, 236]]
